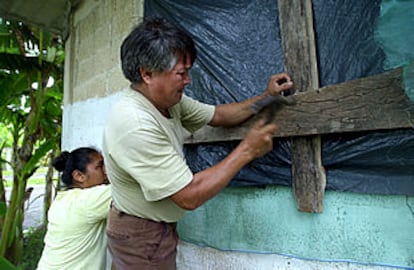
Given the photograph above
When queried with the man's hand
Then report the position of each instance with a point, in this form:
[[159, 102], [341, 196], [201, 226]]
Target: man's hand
[[278, 83], [259, 139]]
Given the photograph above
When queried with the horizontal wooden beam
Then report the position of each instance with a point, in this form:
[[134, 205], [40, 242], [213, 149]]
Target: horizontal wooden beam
[[373, 103]]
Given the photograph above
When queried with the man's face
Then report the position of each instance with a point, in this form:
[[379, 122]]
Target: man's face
[[167, 88]]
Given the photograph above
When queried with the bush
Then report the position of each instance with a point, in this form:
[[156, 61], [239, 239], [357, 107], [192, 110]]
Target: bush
[[33, 247]]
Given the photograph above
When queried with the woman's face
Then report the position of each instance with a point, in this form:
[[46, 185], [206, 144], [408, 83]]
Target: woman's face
[[95, 171]]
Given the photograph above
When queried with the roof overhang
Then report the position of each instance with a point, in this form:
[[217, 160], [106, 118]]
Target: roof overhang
[[49, 15]]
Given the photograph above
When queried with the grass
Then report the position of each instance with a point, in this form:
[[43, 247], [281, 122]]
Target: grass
[[37, 179]]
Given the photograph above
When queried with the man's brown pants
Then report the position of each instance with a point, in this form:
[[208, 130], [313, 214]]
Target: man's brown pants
[[137, 243]]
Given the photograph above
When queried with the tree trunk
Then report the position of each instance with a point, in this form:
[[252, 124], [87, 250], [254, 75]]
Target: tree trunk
[[11, 243], [2, 190], [49, 194]]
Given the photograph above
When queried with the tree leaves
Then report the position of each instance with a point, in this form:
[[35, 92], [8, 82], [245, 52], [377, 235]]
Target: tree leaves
[[32, 112]]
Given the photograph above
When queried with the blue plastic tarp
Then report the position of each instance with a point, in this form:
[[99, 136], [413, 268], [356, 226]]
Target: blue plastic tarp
[[239, 47]]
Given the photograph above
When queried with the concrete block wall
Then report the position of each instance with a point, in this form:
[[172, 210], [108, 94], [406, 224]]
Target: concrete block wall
[[93, 75], [98, 28]]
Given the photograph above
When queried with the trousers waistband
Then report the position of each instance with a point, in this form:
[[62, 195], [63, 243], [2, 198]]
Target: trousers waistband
[[122, 213]]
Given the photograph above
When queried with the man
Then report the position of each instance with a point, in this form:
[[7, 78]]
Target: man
[[152, 185]]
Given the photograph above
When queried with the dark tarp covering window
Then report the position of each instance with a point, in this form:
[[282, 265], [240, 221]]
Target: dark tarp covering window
[[239, 48]]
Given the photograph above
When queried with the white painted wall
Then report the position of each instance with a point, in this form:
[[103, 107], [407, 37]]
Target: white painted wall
[[192, 257], [83, 122]]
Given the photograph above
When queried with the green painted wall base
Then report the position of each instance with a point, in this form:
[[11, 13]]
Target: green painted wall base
[[361, 228]]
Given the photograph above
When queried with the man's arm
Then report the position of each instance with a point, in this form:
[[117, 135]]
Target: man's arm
[[209, 182], [232, 114]]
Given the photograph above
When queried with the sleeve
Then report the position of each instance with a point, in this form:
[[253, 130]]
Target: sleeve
[[195, 114], [98, 202], [148, 155]]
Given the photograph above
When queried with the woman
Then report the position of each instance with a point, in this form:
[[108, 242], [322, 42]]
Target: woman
[[75, 237]]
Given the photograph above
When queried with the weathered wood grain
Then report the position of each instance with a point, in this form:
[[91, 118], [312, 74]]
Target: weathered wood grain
[[308, 174], [299, 49], [372, 103], [298, 43], [377, 102]]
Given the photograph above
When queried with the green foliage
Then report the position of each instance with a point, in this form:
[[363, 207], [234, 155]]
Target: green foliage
[[33, 247], [39, 153], [3, 208], [5, 138], [30, 113], [6, 265], [8, 42]]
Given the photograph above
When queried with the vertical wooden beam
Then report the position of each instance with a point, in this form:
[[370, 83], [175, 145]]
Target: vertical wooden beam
[[299, 51]]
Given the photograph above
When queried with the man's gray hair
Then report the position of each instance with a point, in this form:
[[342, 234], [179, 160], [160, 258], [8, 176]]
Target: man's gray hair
[[156, 45]]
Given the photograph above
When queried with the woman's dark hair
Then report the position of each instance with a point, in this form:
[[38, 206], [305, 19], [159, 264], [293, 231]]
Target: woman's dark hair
[[67, 162], [155, 44]]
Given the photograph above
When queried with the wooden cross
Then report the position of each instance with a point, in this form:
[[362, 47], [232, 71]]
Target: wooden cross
[[372, 103]]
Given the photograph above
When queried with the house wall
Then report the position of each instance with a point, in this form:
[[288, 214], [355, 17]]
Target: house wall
[[92, 69], [261, 226]]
